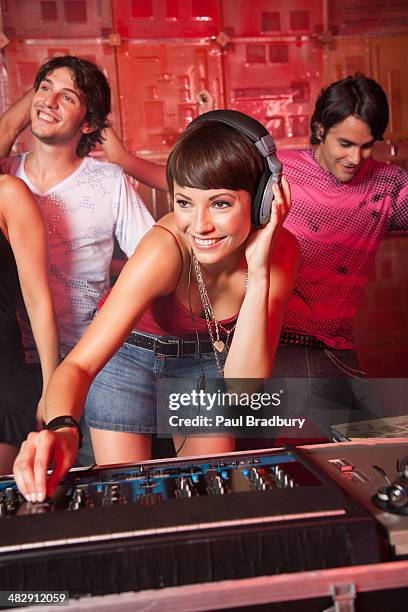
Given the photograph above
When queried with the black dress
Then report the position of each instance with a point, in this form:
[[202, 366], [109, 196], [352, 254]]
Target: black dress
[[17, 381]]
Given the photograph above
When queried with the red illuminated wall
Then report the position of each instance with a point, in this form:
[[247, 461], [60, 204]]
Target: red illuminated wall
[[267, 58]]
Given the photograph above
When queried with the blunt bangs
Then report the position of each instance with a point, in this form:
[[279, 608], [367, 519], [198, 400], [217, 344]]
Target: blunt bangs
[[211, 155]]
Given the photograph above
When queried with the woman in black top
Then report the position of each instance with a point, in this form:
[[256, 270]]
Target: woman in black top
[[23, 264]]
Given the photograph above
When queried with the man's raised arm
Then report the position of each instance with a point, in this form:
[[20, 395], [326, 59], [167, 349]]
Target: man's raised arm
[[13, 121]]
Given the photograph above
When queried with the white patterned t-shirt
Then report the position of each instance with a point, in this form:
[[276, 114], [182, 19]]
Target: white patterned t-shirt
[[83, 214]]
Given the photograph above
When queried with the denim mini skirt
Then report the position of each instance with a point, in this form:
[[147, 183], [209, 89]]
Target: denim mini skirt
[[124, 395]]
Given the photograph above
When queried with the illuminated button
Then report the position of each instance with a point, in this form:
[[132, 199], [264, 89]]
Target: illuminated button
[[348, 475], [346, 468]]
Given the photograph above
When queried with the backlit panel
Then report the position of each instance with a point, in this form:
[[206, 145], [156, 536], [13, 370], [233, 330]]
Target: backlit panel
[[279, 91], [266, 17], [159, 85], [166, 18], [58, 18], [351, 17]]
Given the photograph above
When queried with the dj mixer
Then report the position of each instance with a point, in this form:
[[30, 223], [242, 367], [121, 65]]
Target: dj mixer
[[182, 521]]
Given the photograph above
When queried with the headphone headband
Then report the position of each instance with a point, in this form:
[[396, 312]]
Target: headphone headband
[[263, 141], [249, 127]]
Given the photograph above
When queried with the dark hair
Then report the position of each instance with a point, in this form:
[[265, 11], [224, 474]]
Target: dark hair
[[211, 155], [355, 95], [92, 83]]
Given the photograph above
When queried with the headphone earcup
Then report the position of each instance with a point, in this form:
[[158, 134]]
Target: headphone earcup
[[258, 199]]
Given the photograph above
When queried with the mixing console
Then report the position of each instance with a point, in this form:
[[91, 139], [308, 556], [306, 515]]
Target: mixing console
[[172, 522], [146, 485]]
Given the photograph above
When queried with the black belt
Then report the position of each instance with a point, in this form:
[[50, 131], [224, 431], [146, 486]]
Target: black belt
[[189, 347], [169, 347], [301, 340]]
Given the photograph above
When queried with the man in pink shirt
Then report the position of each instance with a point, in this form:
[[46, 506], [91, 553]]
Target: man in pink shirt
[[344, 202]]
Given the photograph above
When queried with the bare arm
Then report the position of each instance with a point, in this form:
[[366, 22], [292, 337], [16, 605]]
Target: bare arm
[[13, 121], [136, 287], [147, 172], [272, 258], [27, 235]]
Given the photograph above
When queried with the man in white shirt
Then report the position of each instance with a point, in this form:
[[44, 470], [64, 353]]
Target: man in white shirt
[[85, 202]]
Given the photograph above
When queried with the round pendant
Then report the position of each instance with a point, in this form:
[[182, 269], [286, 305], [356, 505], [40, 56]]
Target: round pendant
[[219, 345]]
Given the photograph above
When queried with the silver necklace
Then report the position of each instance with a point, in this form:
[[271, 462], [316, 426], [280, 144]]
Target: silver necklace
[[219, 346]]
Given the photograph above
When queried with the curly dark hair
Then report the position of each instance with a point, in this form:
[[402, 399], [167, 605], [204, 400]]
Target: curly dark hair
[[355, 95], [94, 86]]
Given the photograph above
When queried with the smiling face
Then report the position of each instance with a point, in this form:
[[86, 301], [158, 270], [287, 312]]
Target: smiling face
[[345, 148], [216, 222], [58, 110]]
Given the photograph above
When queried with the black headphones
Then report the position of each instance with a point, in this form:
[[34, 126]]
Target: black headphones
[[259, 135]]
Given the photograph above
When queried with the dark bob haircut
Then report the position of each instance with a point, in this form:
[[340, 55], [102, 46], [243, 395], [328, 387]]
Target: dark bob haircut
[[355, 95], [211, 155], [93, 85]]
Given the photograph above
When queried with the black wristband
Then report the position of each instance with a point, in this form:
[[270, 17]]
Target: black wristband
[[64, 421]]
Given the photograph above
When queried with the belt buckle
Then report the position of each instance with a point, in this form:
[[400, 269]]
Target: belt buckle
[[179, 347], [157, 342]]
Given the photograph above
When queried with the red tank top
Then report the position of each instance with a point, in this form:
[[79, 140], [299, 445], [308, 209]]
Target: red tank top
[[166, 316]]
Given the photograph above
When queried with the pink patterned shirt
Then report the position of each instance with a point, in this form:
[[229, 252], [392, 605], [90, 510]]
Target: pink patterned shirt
[[339, 227]]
